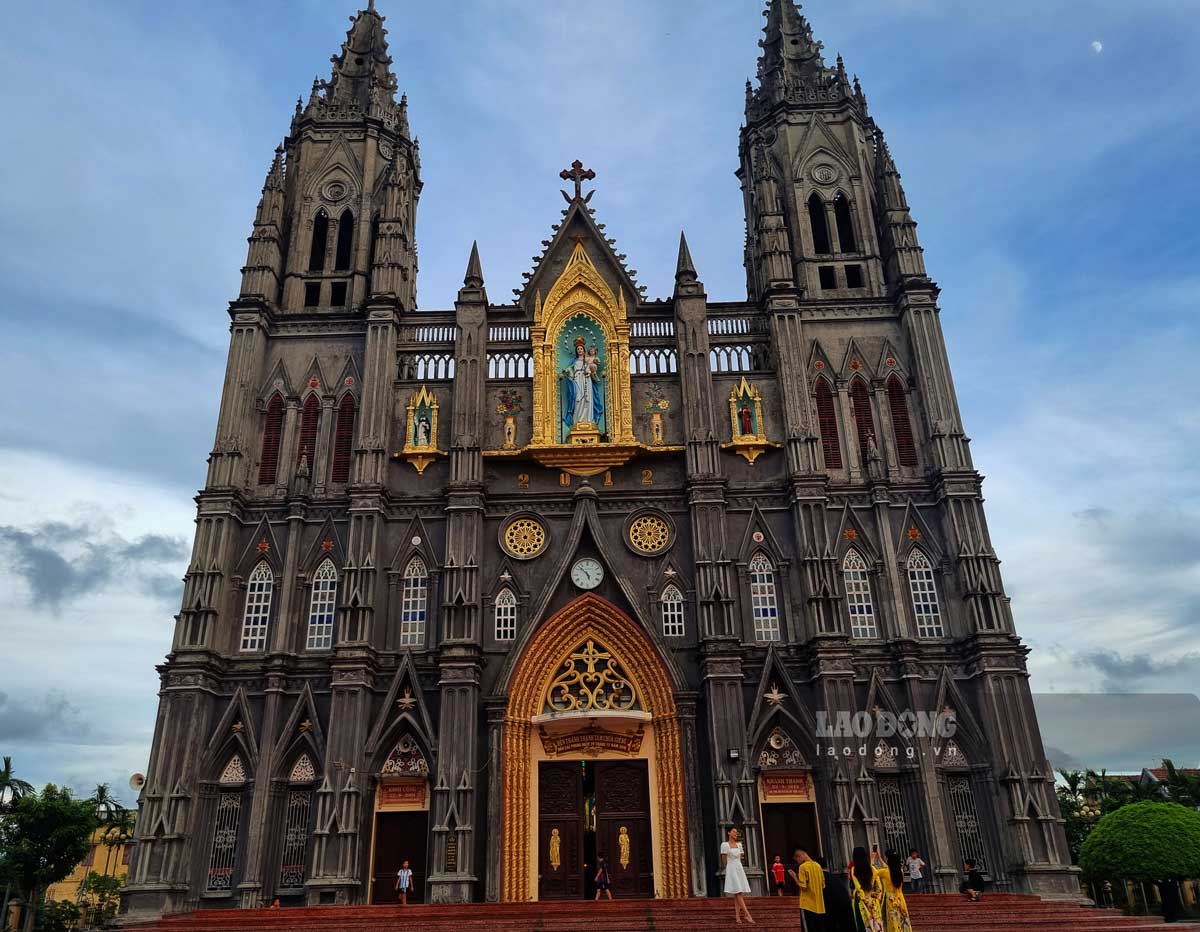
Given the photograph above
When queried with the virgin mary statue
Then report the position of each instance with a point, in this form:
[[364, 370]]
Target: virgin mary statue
[[585, 401]]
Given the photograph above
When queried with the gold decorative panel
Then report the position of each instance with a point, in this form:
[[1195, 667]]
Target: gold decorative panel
[[525, 538], [591, 680], [649, 534]]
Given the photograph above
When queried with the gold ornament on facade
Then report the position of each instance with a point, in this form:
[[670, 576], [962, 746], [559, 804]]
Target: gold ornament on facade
[[649, 534], [421, 431], [581, 300], [591, 680], [524, 538], [623, 842], [748, 435], [555, 849]]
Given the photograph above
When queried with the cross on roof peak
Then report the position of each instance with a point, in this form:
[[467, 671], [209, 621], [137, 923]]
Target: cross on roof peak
[[579, 175]]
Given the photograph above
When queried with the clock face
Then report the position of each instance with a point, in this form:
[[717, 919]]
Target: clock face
[[587, 573]]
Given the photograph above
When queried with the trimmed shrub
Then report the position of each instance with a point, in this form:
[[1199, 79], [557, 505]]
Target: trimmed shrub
[[1143, 841]]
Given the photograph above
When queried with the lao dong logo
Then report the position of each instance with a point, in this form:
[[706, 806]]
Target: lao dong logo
[[908, 724]]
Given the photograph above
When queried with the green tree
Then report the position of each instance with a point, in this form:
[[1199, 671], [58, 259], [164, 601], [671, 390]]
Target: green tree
[[1148, 841], [42, 838], [60, 916], [101, 897], [1080, 807], [1182, 788]]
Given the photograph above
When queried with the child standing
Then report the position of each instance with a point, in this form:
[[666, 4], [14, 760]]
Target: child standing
[[602, 879], [777, 872], [403, 882]]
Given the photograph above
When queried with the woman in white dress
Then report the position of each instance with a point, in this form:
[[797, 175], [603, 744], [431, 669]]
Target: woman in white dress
[[736, 883]]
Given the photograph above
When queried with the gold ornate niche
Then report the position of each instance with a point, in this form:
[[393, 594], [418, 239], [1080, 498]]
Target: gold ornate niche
[[421, 431], [748, 433], [581, 297], [589, 618]]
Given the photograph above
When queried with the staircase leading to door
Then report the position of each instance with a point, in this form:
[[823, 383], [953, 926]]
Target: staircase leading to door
[[930, 913]]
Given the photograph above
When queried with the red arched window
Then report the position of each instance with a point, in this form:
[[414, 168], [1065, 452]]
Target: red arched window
[[268, 463], [343, 439], [864, 423], [906, 449], [827, 421], [310, 417]]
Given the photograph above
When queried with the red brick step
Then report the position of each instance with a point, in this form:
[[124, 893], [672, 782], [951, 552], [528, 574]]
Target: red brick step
[[930, 913]]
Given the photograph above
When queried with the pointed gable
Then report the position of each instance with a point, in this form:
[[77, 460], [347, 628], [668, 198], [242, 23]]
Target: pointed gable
[[578, 227]]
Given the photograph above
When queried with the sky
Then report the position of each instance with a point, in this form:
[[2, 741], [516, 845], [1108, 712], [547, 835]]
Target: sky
[[1048, 150]]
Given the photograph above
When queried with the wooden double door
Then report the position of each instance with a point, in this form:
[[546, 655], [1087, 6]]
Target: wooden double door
[[587, 809]]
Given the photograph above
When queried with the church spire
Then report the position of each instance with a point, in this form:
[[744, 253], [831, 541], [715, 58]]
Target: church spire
[[791, 58], [362, 71]]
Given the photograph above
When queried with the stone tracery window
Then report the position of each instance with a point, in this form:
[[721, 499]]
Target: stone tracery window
[[505, 612], [321, 609], [764, 603], [858, 596], [672, 612], [227, 822], [923, 589], [591, 679], [413, 602], [258, 607]]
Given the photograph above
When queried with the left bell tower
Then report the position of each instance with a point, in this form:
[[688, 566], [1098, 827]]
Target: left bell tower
[[337, 219]]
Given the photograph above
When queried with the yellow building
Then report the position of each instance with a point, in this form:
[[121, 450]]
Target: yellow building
[[108, 853]]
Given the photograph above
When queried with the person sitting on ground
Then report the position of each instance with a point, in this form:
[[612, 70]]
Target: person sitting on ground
[[972, 885]]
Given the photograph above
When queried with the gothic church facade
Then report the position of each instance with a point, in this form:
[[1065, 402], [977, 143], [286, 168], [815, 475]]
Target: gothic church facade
[[499, 588]]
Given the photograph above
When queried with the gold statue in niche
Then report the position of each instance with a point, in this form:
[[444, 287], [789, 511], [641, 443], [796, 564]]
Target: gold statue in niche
[[748, 434], [623, 842], [421, 430], [555, 849]]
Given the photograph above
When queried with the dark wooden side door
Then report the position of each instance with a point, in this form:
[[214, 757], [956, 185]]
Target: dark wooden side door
[[623, 826], [786, 826], [400, 837], [560, 831]]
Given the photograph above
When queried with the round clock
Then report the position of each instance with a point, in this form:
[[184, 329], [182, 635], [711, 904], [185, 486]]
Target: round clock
[[587, 573]]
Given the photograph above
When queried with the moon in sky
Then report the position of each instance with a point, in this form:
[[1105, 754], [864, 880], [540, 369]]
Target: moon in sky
[[1097, 46]]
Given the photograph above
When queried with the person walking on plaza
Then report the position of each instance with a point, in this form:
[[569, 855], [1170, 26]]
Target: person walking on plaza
[[809, 877], [736, 884], [894, 906], [777, 875], [916, 872], [404, 882], [603, 878], [866, 893]]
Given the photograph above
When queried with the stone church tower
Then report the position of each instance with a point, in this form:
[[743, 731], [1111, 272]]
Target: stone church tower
[[497, 588]]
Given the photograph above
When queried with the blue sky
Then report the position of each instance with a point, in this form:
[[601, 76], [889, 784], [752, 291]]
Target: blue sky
[[1054, 184]]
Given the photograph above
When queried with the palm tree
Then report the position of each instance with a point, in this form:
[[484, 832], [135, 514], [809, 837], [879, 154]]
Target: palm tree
[[107, 805], [119, 833], [12, 788]]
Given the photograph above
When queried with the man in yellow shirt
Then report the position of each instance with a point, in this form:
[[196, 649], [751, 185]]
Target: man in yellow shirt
[[809, 877]]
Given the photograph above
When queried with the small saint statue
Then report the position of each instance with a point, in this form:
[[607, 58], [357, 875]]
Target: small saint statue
[[585, 402], [421, 431]]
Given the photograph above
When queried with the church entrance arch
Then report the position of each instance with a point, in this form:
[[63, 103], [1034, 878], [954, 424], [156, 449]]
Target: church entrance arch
[[592, 761]]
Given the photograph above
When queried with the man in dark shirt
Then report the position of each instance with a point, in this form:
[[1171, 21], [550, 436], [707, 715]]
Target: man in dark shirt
[[972, 885], [838, 916]]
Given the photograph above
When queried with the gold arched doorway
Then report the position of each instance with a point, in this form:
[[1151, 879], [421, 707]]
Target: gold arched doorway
[[589, 617]]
